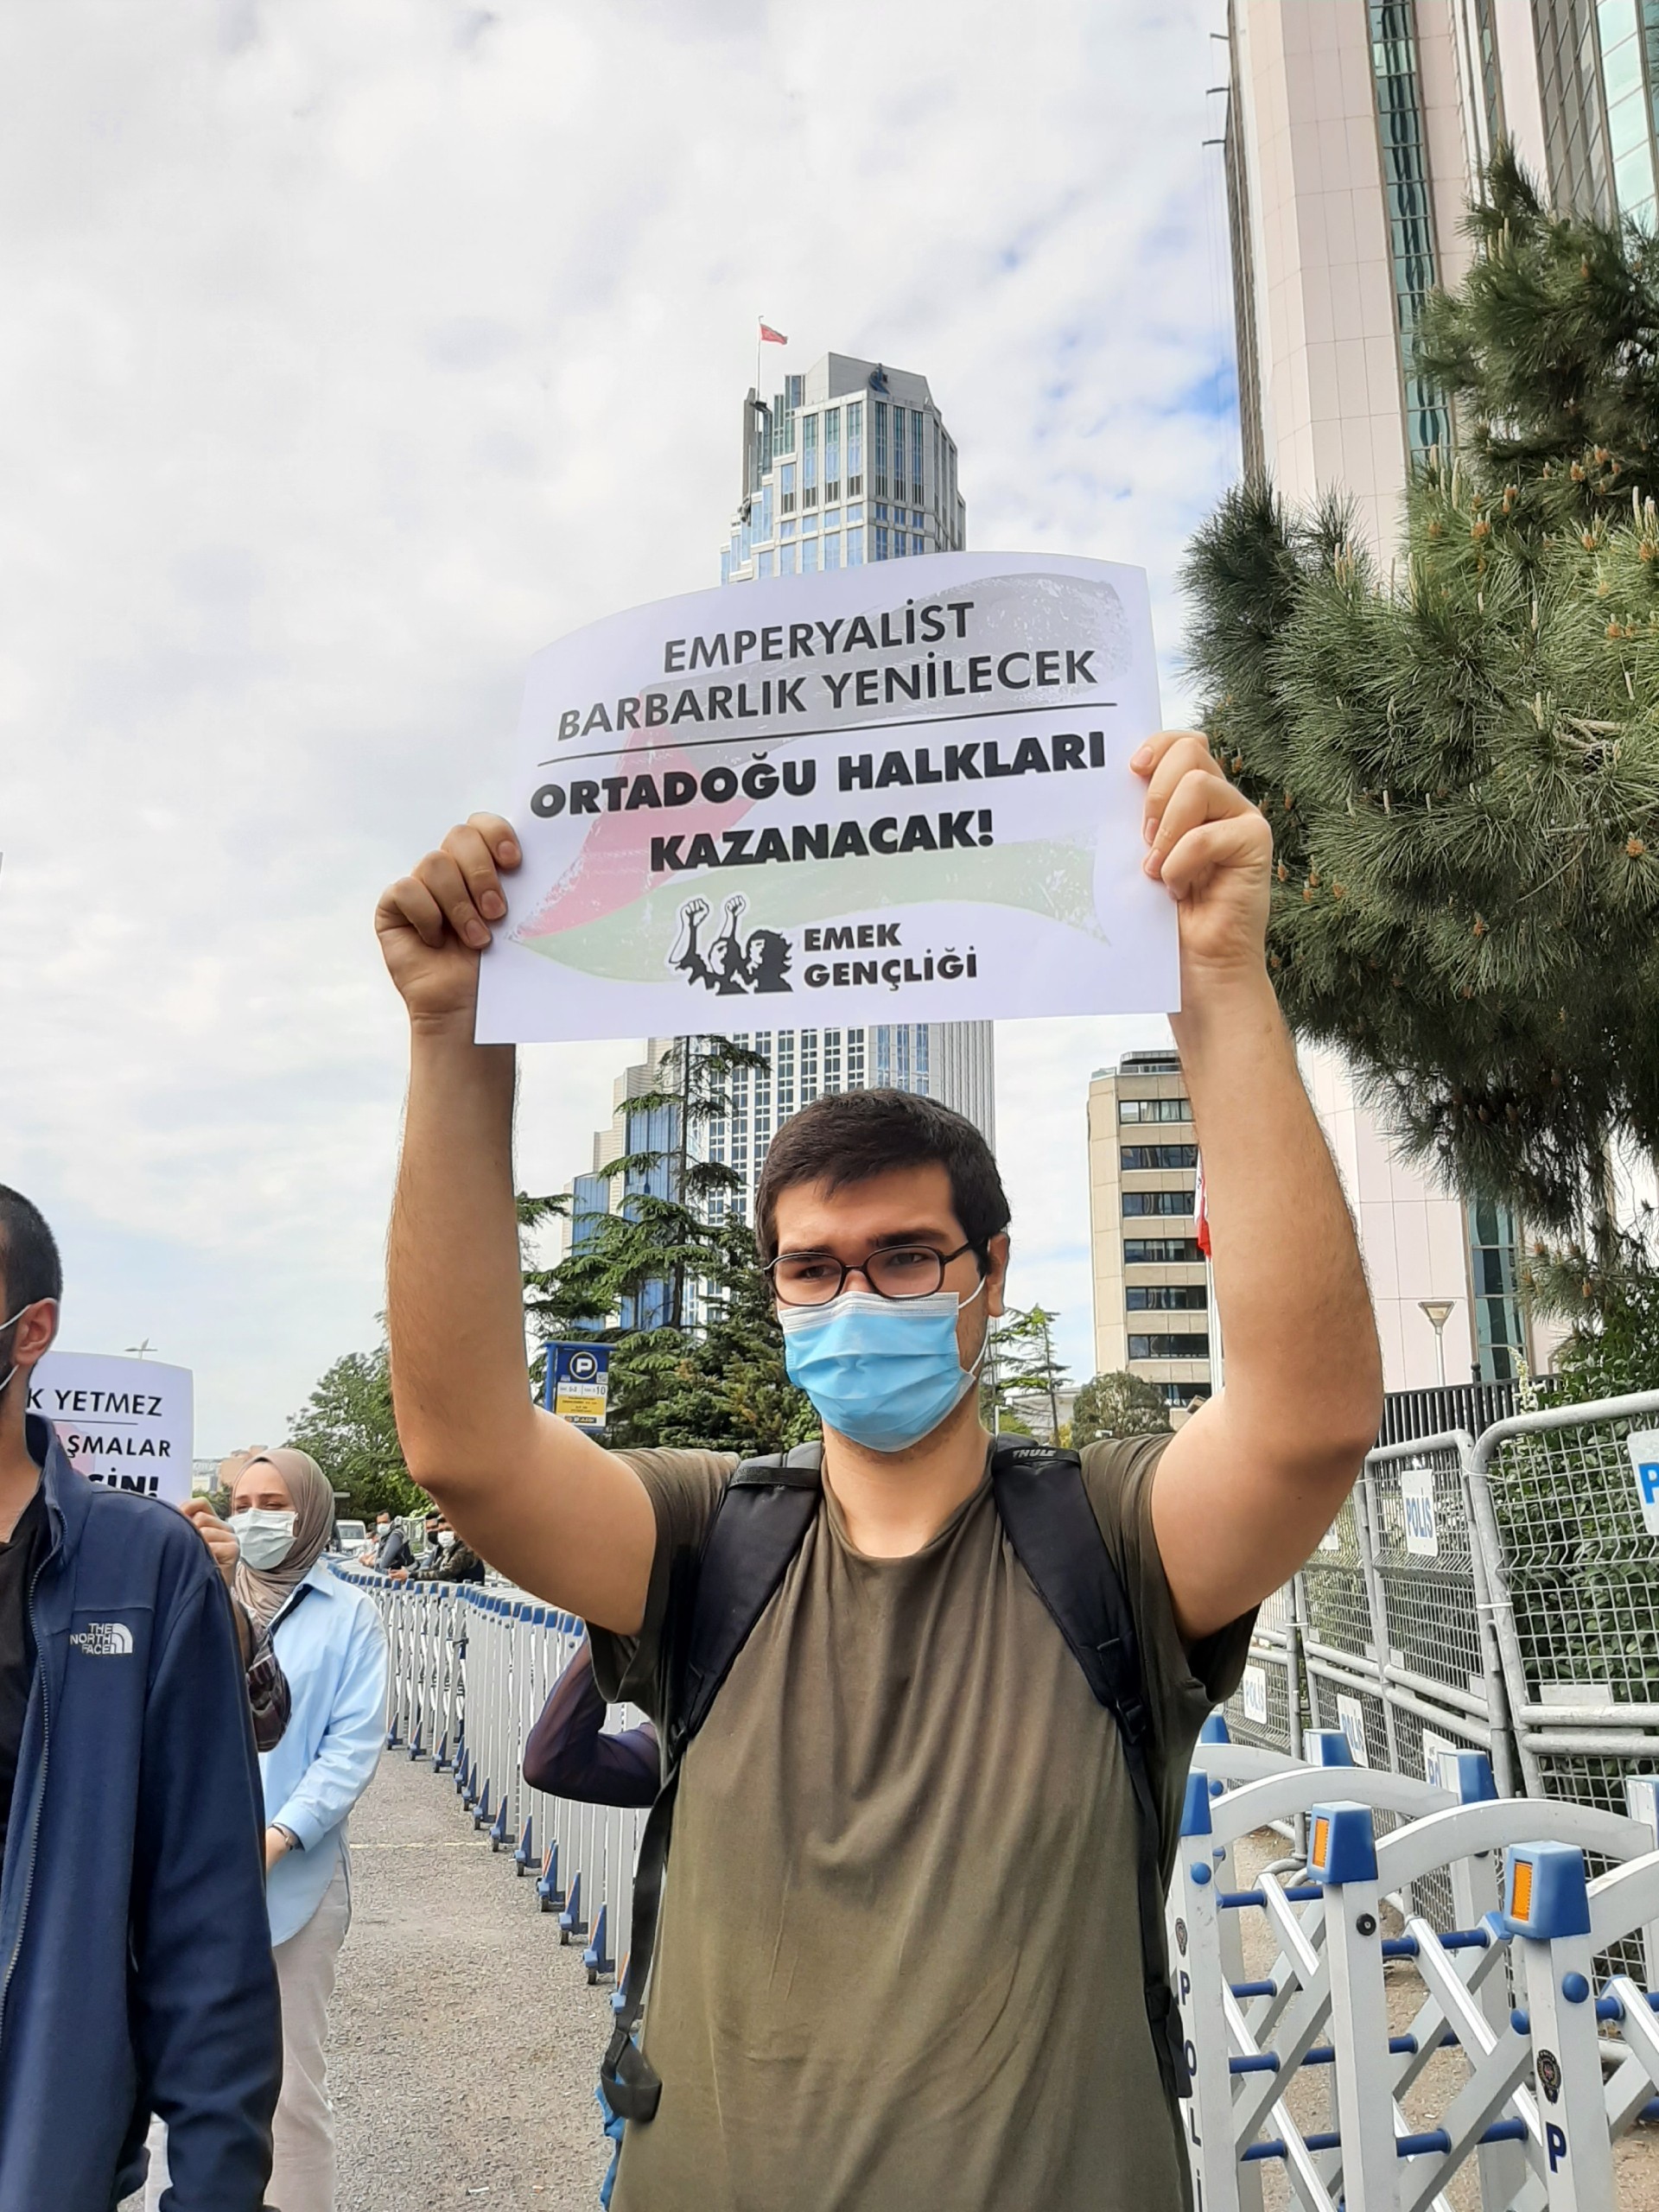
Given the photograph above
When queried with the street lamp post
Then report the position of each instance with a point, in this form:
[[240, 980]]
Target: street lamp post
[[1439, 1311]]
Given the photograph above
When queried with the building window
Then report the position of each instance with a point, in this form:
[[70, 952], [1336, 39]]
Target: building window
[[787, 529], [1160, 1251], [766, 512], [1629, 32], [1495, 1269], [917, 435], [878, 459], [1158, 1155], [787, 488], [832, 454], [763, 562], [919, 545], [809, 556], [1166, 1297], [810, 461], [810, 526], [832, 549], [785, 560], [1405, 192], [878, 549], [854, 549], [1173, 1202], [855, 514], [855, 447], [1196, 1347], [1154, 1109]]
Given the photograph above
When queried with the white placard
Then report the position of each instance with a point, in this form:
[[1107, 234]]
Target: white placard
[[1643, 1446], [1255, 1687], [885, 794], [126, 1422], [1351, 1717], [1417, 1497]]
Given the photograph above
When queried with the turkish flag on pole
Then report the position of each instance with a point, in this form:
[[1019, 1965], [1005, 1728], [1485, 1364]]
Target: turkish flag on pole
[[1200, 1214], [771, 337]]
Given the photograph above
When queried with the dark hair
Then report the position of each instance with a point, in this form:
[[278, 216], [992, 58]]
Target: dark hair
[[850, 1136], [29, 1265]]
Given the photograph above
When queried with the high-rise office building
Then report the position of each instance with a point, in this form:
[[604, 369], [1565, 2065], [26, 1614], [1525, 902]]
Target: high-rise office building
[[848, 464], [1357, 131], [1151, 1293]]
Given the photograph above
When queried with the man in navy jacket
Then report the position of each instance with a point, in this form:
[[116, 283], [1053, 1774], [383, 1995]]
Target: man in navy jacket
[[135, 1974]]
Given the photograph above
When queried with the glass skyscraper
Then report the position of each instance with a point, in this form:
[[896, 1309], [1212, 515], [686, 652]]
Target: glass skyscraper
[[846, 465], [849, 464]]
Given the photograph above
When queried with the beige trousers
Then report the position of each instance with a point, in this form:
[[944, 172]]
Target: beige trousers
[[303, 2135]]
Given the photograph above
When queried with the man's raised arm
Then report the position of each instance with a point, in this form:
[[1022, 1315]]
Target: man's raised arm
[[1251, 1483], [533, 1495]]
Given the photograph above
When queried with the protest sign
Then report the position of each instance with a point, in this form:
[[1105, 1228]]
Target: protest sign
[[126, 1422], [883, 794]]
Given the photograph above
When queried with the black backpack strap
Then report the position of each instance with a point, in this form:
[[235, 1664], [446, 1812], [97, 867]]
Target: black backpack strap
[[758, 1527], [1046, 1510]]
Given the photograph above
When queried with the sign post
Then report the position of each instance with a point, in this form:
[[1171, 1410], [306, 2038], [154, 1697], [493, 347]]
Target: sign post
[[888, 794], [577, 1386], [127, 1423]]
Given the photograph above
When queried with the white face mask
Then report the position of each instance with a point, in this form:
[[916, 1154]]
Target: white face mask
[[446, 1537], [6, 1379], [266, 1537]]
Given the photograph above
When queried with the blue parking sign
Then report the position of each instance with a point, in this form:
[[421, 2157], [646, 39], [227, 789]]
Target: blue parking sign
[[578, 1384]]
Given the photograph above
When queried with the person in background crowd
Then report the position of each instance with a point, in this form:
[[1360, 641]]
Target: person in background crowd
[[567, 1754], [138, 1972], [431, 1558], [334, 1651], [391, 1546], [268, 1699], [457, 1562]]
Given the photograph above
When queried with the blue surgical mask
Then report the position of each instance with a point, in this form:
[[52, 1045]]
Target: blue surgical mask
[[883, 1371], [266, 1537]]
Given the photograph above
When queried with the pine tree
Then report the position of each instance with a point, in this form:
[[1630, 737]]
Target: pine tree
[[1022, 1363], [1460, 756]]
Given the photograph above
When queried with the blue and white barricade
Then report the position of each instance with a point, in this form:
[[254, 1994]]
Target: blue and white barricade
[[470, 1670], [1511, 1986]]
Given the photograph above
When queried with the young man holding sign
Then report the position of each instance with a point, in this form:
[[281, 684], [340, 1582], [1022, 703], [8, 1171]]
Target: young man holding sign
[[906, 1953]]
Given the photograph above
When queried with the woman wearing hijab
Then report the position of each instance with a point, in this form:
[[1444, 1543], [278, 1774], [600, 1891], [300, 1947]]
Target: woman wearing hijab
[[332, 1651]]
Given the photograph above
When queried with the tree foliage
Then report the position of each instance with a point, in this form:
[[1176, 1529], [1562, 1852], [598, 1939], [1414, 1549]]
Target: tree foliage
[[1118, 1404], [1022, 1364], [1609, 1300], [348, 1427], [1459, 754]]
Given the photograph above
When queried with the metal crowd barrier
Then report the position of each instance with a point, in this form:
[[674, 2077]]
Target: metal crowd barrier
[[1302, 2065], [1498, 1595], [471, 1668]]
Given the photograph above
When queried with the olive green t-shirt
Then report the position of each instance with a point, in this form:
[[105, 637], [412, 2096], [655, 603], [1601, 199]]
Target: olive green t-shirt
[[899, 1967]]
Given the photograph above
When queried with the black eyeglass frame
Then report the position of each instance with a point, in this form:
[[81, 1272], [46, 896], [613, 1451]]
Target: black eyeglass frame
[[861, 1267]]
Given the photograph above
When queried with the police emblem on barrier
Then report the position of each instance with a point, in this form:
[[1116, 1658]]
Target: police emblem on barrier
[[1181, 1937], [732, 964], [1549, 2075]]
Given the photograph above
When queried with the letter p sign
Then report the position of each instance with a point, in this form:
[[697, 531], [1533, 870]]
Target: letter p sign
[[1643, 1449], [1555, 2144]]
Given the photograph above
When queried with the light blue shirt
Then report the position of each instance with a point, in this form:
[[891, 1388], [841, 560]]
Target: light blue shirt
[[332, 1651]]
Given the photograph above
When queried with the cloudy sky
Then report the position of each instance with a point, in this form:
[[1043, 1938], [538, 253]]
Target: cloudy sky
[[354, 351]]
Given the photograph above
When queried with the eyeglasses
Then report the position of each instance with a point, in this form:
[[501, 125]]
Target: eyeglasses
[[896, 1271]]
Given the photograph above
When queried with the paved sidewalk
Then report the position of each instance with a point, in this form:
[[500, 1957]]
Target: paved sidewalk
[[466, 2041]]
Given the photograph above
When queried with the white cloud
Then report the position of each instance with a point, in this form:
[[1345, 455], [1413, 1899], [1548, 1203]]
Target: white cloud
[[353, 352]]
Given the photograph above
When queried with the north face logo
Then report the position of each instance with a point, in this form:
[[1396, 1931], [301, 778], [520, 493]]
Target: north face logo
[[105, 1640]]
